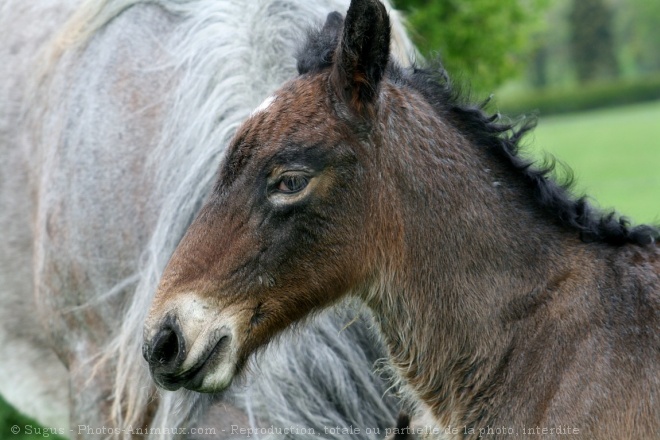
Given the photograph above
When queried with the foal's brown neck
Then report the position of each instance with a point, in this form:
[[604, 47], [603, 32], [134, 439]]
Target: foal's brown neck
[[455, 332], [464, 274]]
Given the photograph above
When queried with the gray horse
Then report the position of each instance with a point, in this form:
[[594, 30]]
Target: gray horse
[[113, 116]]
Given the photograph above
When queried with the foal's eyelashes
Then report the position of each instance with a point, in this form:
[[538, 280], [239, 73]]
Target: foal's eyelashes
[[291, 183], [290, 186]]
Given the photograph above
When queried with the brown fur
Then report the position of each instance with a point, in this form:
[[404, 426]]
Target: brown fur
[[494, 313]]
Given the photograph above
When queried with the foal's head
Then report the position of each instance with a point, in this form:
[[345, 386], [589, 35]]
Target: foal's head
[[291, 223]]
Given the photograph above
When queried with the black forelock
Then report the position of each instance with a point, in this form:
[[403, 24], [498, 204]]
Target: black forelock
[[318, 51]]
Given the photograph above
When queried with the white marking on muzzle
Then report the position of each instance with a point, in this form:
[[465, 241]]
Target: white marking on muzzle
[[203, 326]]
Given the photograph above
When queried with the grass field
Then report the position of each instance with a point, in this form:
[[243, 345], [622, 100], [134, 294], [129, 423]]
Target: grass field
[[614, 153], [14, 426]]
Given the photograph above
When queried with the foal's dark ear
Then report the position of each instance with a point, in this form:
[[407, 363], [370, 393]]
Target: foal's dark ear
[[362, 54]]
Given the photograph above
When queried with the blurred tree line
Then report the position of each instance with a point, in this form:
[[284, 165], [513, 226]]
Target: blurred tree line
[[541, 42], [586, 41]]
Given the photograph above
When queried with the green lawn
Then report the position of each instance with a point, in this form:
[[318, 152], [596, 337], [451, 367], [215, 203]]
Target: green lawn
[[615, 154], [14, 426]]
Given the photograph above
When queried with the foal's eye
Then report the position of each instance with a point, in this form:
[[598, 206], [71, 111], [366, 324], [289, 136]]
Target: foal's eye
[[292, 183]]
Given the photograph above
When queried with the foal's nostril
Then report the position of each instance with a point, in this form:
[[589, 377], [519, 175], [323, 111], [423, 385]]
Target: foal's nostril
[[167, 352], [166, 347]]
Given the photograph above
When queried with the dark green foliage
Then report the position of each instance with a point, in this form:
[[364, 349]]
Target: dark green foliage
[[481, 42]]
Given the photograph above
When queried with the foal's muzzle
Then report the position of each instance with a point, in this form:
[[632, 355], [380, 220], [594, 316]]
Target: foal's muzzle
[[167, 355]]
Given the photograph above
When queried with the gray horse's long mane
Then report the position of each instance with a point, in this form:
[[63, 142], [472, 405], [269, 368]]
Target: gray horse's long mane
[[219, 77]]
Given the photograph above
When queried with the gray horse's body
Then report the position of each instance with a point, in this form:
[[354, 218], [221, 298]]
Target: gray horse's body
[[113, 117]]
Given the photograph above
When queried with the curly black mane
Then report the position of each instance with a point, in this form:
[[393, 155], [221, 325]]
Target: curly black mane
[[502, 140]]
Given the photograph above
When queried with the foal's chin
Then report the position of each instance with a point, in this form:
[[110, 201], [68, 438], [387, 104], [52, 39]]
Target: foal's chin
[[191, 346], [211, 378]]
